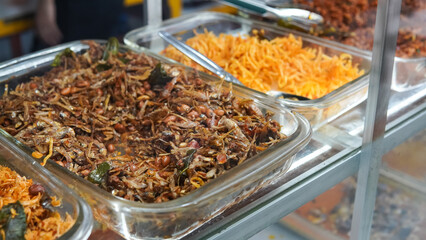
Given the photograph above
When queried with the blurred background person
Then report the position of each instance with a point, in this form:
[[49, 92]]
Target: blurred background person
[[30, 25], [59, 21]]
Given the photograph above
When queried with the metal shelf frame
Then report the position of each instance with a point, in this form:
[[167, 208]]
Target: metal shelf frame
[[379, 91]]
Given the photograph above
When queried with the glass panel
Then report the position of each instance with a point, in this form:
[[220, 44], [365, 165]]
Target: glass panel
[[408, 159], [328, 216], [400, 213]]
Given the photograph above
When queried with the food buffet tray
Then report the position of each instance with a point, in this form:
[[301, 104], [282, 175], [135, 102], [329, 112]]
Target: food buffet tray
[[19, 161], [318, 111], [400, 212], [408, 72], [176, 218]]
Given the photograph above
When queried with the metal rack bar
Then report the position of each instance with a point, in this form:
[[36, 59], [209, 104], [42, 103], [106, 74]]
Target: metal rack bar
[[385, 35], [152, 12]]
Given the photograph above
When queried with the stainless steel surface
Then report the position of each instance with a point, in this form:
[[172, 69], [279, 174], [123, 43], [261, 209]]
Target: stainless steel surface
[[302, 16], [198, 57], [152, 12]]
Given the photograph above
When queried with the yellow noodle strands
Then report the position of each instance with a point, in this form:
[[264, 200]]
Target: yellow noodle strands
[[280, 64]]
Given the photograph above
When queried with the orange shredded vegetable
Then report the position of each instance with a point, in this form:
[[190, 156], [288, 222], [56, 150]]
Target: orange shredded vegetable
[[41, 223], [279, 64]]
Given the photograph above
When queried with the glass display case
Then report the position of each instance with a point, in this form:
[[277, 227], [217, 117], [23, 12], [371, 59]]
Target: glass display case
[[333, 154], [350, 141]]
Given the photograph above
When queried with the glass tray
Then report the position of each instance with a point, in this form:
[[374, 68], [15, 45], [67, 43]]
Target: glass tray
[[408, 72], [177, 218], [19, 161], [318, 111]]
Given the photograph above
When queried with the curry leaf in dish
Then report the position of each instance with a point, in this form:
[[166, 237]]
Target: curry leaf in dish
[[67, 52], [13, 221], [98, 175]]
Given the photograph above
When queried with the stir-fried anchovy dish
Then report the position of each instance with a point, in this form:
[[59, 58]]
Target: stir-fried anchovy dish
[[142, 130]]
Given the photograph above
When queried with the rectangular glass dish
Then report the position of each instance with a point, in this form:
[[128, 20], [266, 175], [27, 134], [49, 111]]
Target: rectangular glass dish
[[356, 21], [176, 218], [318, 111], [19, 161]]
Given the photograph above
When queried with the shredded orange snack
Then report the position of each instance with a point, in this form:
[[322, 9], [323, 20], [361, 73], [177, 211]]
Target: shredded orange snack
[[55, 201], [41, 223], [279, 64]]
